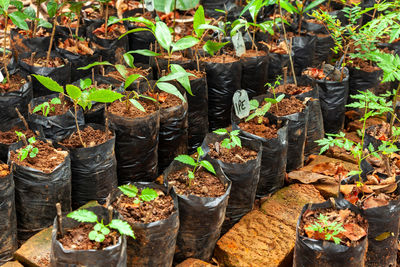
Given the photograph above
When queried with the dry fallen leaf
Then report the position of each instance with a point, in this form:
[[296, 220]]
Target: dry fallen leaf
[[354, 232], [308, 177]]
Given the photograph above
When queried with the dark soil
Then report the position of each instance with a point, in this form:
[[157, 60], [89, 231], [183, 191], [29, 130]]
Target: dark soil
[[355, 226], [4, 170], [292, 89], [15, 83], [363, 65], [287, 106], [265, 129], [204, 183], [76, 47], [41, 62], [90, 137], [116, 75], [119, 108], [78, 239], [317, 74], [114, 31], [221, 59], [166, 100], [237, 154], [10, 136], [46, 160], [56, 110], [198, 74], [254, 53], [147, 211]]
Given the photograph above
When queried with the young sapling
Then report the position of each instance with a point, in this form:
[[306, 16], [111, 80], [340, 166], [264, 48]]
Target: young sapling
[[330, 230], [45, 106], [196, 164], [232, 140], [101, 230], [146, 194], [30, 149]]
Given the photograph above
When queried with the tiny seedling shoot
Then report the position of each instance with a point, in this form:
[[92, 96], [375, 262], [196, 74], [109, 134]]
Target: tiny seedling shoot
[[260, 112], [29, 149], [196, 164], [146, 194], [232, 140], [101, 230], [45, 107], [330, 230]]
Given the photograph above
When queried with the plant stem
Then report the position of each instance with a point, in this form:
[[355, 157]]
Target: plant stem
[[360, 158], [106, 22], [394, 109], [173, 25], [287, 44], [22, 118], [77, 125], [4, 49], [59, 219], [37, 17], [51, 42]]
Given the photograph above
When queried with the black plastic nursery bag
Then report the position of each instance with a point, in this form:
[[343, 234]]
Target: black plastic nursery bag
[[254, 74], [200, 218], [244, 177], [303, 48], [111, 256]]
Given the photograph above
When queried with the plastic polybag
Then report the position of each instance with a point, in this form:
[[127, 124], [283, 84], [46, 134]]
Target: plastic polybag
[[61, 74], [114, 255], [23, 44], [173, 134], [333, 98], [197, 113], [276, 63], [155, 242], [136, 146], [244, 178], [36, 195], [309, 252], [303, 48], [8, 219], [94, 171], [54, 127], [200, 219], [323, 49], [15, 99], [254, 74], [274, 154], [111, 50], [223, 80], [362, 80]]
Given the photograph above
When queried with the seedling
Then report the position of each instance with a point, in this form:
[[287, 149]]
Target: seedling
[[100, 230], [233, 139], [45, 107], [260, 112], [83, 99], [273, 87], [18, 18], [20, 135], [196, 164], [330, 230], [52, 8], [28, 150], [146, 194]]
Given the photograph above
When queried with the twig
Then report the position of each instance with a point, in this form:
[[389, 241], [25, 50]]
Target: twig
[[22, 118], [59, 219], [106, 122]]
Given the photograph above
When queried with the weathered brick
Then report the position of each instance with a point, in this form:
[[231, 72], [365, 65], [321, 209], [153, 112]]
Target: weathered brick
[[266, 237], [194, 263], [12, 264]]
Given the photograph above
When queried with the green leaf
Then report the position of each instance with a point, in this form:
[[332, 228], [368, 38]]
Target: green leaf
[[313, 4], [123, 227], [142, 20], [148, 194], [170, 89], [186, 160], [44, 23], [30, 12], [83, 215], [129, 190], [92, 235], [288, 7], [383, 236], [112, 20], [137, 105], [199, 19], [163, 35], [49, 83], [200, 151], [5, 4], [184, 81], [206, 164], [211, 27], [73, 91], [104, 96], [190, 174], [131, 79], [122, 70], [84, 84], [237, 141], [95, 64], [52, 8], [212, 47], [37, 109], [184, 43], [133, 31], [279, 98], [145, 52], [221, 131], [129, 60], [55, 101], [18, 18], [23, 154]]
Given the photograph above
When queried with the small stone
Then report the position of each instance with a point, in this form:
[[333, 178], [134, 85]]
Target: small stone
[[204, 189]]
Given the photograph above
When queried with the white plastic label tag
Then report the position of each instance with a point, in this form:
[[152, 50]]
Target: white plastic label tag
[[241, 104], [1, 77]]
